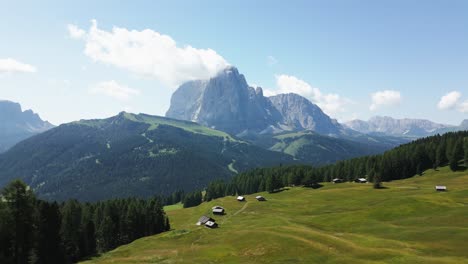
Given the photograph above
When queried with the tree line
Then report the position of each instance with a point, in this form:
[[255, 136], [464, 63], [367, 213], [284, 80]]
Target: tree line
[[399, 163], [37, 231]]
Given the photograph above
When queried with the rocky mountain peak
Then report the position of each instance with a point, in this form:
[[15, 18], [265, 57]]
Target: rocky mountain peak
[[301, 114], [226, 102], [16, 125], [464, 124]]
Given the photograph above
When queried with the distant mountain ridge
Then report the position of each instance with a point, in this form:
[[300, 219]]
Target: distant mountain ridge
[[129, 155], [226, 102], [298, 113], [16, 125], [402, 127]]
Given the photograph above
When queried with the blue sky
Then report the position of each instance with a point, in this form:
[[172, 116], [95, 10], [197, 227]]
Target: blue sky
[[355, 59]]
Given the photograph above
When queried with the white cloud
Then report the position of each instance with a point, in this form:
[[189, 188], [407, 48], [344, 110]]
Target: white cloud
[[463, 107], [148, 52], [449, 101], [13, 66], [271, 60], [76, 32], [385, 98], [114, 89], [331, 104]]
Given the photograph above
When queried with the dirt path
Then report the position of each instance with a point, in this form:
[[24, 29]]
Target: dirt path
[[242, 209]]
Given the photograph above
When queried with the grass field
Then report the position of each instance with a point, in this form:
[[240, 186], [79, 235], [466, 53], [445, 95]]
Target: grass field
[[408, 222]]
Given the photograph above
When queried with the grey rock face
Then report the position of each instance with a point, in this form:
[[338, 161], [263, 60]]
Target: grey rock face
[[300, 114], [464, 124], [398, 127], [16, 125], [226, 102]]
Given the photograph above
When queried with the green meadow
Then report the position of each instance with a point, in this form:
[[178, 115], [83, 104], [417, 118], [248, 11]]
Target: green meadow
[[407, 222]]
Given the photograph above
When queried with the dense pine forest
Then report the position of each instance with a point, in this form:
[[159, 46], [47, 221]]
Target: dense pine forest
[[402, 162], [37, 231]]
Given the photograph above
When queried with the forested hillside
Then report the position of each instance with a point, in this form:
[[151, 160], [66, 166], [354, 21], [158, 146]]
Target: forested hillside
[[402, 162], [41, 232], [129, 156], [313, 148]]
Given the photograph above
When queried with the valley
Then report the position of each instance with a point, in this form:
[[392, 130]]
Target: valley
[[407, 222]]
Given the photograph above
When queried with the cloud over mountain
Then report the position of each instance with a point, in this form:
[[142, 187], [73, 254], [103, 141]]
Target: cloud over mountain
[[331, 103], [148, 53], [385, 98], [451, 101]]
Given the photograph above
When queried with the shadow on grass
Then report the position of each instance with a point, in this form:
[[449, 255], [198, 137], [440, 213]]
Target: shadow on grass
[[381, 187], [97, 255], [280, 190], [314, 186]]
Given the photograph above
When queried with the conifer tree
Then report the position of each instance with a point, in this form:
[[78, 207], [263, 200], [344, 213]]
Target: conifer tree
[[48, 229], [70, 230], [465, 147], [456, 154], [20, 201]]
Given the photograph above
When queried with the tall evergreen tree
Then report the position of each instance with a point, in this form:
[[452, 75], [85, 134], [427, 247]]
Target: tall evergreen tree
[[377, 182], [88, 230], [456, 154], [465, 148], [20, 201], [48, 229], [71, 230], [6, 234], [441, 157]]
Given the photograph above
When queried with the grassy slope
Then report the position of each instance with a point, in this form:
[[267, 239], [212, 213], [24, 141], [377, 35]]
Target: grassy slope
[[155, 121], [344, 223]]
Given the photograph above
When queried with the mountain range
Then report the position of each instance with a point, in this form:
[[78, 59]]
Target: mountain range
[[129, 155], [411, 128], [227, 103], [16, 125], [213, 129]]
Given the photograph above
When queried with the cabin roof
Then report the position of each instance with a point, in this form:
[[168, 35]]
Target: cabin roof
[[210, 224], [204, 219]]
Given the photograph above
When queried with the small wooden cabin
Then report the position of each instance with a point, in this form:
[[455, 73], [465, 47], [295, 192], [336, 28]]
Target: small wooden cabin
[[441, 188], [204, 219], [361, 180], [260, 198], [337, 180], [211, 224], [218, 210]]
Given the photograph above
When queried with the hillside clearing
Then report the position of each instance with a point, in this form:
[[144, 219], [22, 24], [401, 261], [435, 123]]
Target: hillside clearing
[[408, 222]]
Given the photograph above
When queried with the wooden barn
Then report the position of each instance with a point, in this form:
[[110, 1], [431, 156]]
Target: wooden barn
[[240, 198], [204, 219], [337, 180], [218, 210], [260, 198], [211, 224], [361, 180]]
